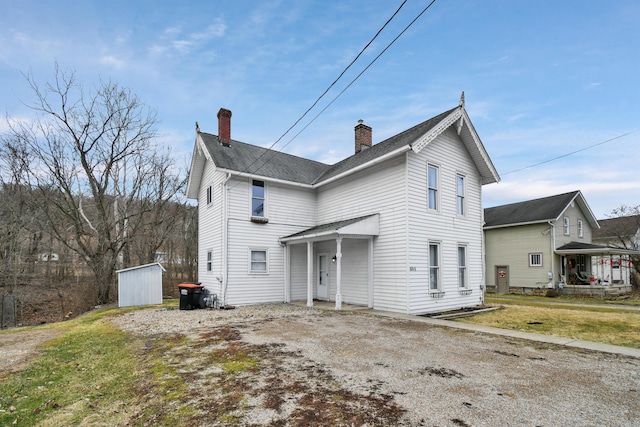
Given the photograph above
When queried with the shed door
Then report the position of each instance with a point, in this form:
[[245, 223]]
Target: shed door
[[502, 279]]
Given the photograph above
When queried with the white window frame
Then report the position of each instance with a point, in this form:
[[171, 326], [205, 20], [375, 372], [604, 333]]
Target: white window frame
[[209, 261], [461, 199], [264, 198], [463, 269], [209, 195], [433, 188], [580, 228], [565, 226], [435, 268], [251, 262], [535, 259]]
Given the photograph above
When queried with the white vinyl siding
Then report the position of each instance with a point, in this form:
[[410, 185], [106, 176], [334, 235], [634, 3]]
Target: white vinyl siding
[[446, 227], [380, 189]]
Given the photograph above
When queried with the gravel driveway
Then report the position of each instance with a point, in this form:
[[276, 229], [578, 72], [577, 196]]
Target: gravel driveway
[[353, 368]]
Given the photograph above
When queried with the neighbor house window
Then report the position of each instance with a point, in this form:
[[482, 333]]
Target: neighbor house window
[[434, 266], [257, 198], [535, 260], [258, 261], [209, 261], [209, 195], [566, 225], [462, 266], [580, 230], [460, 194], [432, 185]]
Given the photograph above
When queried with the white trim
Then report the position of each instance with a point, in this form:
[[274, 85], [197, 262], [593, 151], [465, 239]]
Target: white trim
[[435, 131], [141, 266]]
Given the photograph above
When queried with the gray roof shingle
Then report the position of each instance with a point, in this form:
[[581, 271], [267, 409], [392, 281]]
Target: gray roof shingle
[[255, 160], [530, 211]]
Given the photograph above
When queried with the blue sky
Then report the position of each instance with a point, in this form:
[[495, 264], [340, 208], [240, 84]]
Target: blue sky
[[541, 78]]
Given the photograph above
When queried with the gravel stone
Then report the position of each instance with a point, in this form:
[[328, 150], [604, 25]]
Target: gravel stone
[[439, 376]]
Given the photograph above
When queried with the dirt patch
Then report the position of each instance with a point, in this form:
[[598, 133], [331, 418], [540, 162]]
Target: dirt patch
[[18, 349]]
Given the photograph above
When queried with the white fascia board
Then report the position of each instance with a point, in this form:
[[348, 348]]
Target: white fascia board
[[141, 266], [373, 162], [493, 227], [238, 174]]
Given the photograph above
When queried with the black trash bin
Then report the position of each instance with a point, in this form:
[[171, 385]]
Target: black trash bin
[[191, 296]]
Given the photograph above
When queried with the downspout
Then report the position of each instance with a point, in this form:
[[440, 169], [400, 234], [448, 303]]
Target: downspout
[[552, 242], [225, 240]]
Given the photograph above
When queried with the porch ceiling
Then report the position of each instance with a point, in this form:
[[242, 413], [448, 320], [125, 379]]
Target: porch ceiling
[[365, 226]]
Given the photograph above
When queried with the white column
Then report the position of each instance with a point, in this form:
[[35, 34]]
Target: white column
[[309, 274], [338, 273], [287, 274], [370, 268]]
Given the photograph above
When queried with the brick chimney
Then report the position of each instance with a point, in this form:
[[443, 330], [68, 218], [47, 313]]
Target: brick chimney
[[224, 126], [363, 136]]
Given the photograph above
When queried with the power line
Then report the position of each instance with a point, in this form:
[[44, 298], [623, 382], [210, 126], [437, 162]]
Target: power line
[[571, 153], [326, 90], [349, 85]]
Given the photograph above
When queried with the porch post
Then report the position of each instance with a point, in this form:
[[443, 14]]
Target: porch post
[[287, 274], [370, 272], [338, 273], [309, 274]]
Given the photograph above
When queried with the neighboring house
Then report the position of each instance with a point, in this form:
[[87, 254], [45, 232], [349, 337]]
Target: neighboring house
[[544, 243], [397, 226], [622, 232]]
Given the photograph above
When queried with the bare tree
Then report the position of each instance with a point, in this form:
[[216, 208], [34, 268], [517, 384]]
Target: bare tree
[[96, 168]]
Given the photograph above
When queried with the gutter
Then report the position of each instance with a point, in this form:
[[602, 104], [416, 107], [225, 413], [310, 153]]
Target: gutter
[[552, 242], [225, 240]]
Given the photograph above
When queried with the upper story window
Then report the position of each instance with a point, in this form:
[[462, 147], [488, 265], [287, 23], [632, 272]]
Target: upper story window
[[433, 186], [209, 195], [257, 199], [566, 226], [580, 229], [460, 194]]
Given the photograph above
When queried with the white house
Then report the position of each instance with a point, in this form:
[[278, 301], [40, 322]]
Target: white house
[[397, 226]]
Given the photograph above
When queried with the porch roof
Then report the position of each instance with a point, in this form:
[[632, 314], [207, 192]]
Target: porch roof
[[591, 249], [364, 226]]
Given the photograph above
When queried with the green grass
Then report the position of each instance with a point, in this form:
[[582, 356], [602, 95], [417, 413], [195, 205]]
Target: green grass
[[596, 321], [81, 377]]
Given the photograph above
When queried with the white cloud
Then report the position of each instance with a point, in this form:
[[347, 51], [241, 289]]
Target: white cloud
[[112, 61]]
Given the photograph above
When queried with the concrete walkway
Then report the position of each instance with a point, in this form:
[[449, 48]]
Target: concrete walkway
[[569, 342]]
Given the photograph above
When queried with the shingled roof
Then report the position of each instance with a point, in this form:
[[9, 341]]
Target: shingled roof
[[623, 227], [242, 158], [535, 211]]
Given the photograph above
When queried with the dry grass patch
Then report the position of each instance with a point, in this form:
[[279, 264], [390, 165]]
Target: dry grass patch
[[606, 327]]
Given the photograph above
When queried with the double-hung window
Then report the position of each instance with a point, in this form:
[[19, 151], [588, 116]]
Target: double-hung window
[[462, 266], [209, 261], [257, 199], [566, 226], [580, 229], [209, 195], [258, 262], [434, 266], [460, 195], [432, 185]]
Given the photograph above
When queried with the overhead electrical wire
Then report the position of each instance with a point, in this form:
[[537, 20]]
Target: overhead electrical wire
[[348, 86], [326, 90], [570, 154]]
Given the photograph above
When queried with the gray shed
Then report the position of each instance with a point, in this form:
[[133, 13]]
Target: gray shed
[[141, 285]]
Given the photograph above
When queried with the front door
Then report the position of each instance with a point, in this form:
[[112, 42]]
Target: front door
[[322, 289], [502, 279]]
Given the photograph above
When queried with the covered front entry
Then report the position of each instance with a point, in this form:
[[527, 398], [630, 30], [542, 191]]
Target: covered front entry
[[336, 258]]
